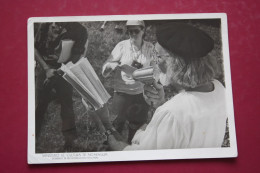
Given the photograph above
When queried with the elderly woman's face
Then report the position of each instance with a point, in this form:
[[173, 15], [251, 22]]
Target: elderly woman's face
[[161, 58], [135, 32]]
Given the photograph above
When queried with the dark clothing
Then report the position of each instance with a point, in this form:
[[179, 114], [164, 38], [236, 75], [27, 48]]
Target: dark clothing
[[47, 40], [49, 36], [132, 108], [64, 94], [76, 32]]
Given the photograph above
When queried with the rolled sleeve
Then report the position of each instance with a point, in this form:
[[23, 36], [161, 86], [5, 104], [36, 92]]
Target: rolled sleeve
[[115, 55]]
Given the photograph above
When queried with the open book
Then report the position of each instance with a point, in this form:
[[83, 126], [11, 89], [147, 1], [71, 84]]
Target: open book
[[84, 79]]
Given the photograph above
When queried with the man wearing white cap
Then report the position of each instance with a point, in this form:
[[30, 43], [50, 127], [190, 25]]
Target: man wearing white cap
[[127, 56]]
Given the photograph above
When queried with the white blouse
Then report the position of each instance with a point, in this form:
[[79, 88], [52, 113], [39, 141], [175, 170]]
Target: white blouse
[[188, 120], [124, 54]]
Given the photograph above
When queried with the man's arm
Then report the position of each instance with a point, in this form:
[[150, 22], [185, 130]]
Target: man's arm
[[49, 72]]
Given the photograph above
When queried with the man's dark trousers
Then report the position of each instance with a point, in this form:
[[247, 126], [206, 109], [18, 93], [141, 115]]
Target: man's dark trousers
[[64, 95]]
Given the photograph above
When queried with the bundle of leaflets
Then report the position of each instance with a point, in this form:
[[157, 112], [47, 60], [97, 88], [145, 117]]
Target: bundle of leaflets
[[85, 80]]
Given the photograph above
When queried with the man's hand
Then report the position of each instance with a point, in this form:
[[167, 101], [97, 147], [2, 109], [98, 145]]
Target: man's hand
[[50, 73], [54, 57], [154, 94]]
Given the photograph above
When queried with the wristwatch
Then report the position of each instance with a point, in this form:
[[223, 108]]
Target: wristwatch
[[108, 132]]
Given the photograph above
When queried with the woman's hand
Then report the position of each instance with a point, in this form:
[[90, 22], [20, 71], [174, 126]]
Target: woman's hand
[[113, 65], [154, 94], [109, 67]]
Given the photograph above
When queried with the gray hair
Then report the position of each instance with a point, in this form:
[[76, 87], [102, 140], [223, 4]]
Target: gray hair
[[194, 73]]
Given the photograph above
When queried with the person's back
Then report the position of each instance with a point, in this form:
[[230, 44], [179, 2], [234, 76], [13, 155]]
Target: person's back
[[188, 120], [202, 115]]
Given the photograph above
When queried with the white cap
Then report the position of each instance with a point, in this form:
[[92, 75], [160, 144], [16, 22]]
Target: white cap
[[135, 23]]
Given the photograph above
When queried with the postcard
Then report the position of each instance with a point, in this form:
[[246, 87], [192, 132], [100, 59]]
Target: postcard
[[129, 88]]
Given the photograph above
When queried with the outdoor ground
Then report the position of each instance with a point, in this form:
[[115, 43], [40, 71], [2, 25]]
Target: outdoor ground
[[101, 43]]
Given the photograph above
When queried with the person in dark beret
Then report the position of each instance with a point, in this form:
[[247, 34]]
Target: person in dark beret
[[196, 116]]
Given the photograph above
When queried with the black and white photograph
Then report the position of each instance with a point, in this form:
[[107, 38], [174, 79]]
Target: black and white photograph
[[132, 87]]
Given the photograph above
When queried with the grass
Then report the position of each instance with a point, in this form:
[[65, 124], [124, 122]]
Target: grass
[[100, 46]]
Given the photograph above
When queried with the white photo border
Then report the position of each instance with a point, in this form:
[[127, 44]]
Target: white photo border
[[35, 158]]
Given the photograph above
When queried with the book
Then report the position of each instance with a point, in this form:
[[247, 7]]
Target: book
[[84, 79]]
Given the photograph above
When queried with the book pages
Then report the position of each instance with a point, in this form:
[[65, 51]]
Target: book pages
[[78, 72], [85, 80], [94, 78], [81, 91], [79, 86]]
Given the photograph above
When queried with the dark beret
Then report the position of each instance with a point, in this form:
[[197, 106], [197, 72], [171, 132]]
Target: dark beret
[[184, 40]]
